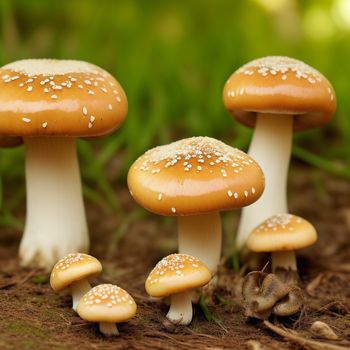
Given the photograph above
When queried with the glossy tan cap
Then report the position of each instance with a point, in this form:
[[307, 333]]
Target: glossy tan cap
[[282, 232], [193, 176], [42, 97], [107, 303], [176, 273], [280, 85], [72, 268]]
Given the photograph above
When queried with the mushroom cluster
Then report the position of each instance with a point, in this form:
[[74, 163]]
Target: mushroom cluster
[[47, 104], [106, 304]]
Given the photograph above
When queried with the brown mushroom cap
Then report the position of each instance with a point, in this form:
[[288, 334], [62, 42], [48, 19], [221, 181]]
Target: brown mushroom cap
[[107, 303], [194, 176], [72, 268], [280, 85], [282, 232], [43, 97], [176, 273]]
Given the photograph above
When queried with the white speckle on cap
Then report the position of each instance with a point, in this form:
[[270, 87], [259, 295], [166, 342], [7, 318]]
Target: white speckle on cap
[[26, 120], [44, 125]]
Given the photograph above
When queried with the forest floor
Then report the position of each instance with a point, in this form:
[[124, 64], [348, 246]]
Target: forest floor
[[33, 316]]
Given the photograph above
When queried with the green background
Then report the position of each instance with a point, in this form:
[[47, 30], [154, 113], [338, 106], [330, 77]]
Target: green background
[[173, 58]]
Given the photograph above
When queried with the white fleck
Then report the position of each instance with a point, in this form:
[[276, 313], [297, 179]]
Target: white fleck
[[92, 118], [229, 192], [44, 125], [29, 88], [26, 120], [85, 110], [90, 92], [173, 210], [110, 107], [54, 97]]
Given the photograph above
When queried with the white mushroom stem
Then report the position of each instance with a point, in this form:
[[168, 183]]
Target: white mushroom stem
[[55, 224], [200, 236], [78, 290], [180, 311], [108, 328], [284, 259], [271, 148]]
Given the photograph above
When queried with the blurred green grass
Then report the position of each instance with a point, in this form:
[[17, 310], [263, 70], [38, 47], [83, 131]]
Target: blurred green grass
[[173, 58]]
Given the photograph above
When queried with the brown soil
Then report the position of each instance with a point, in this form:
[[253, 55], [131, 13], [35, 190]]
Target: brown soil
[[32, 316]]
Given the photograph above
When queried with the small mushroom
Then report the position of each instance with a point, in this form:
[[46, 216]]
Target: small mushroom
[[74, 270], [175, 276], [107, 304], [194, 179], [281, 235], [275, 95], [49, 103]]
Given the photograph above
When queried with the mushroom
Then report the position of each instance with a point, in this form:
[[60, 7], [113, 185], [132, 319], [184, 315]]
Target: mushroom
[[281, 235], [194, 179], [49, 103], [74, 270], [107, 304], [175, 276], [275, 95]]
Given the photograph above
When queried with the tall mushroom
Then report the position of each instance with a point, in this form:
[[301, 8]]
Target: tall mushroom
[[50, 103], [194, 179], [275, 95]]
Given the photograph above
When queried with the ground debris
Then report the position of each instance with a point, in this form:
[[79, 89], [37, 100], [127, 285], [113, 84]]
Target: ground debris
[[294, 337], [322, 330]]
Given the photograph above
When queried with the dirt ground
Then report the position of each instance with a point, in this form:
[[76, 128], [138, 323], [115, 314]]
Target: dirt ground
[[32, 316]]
